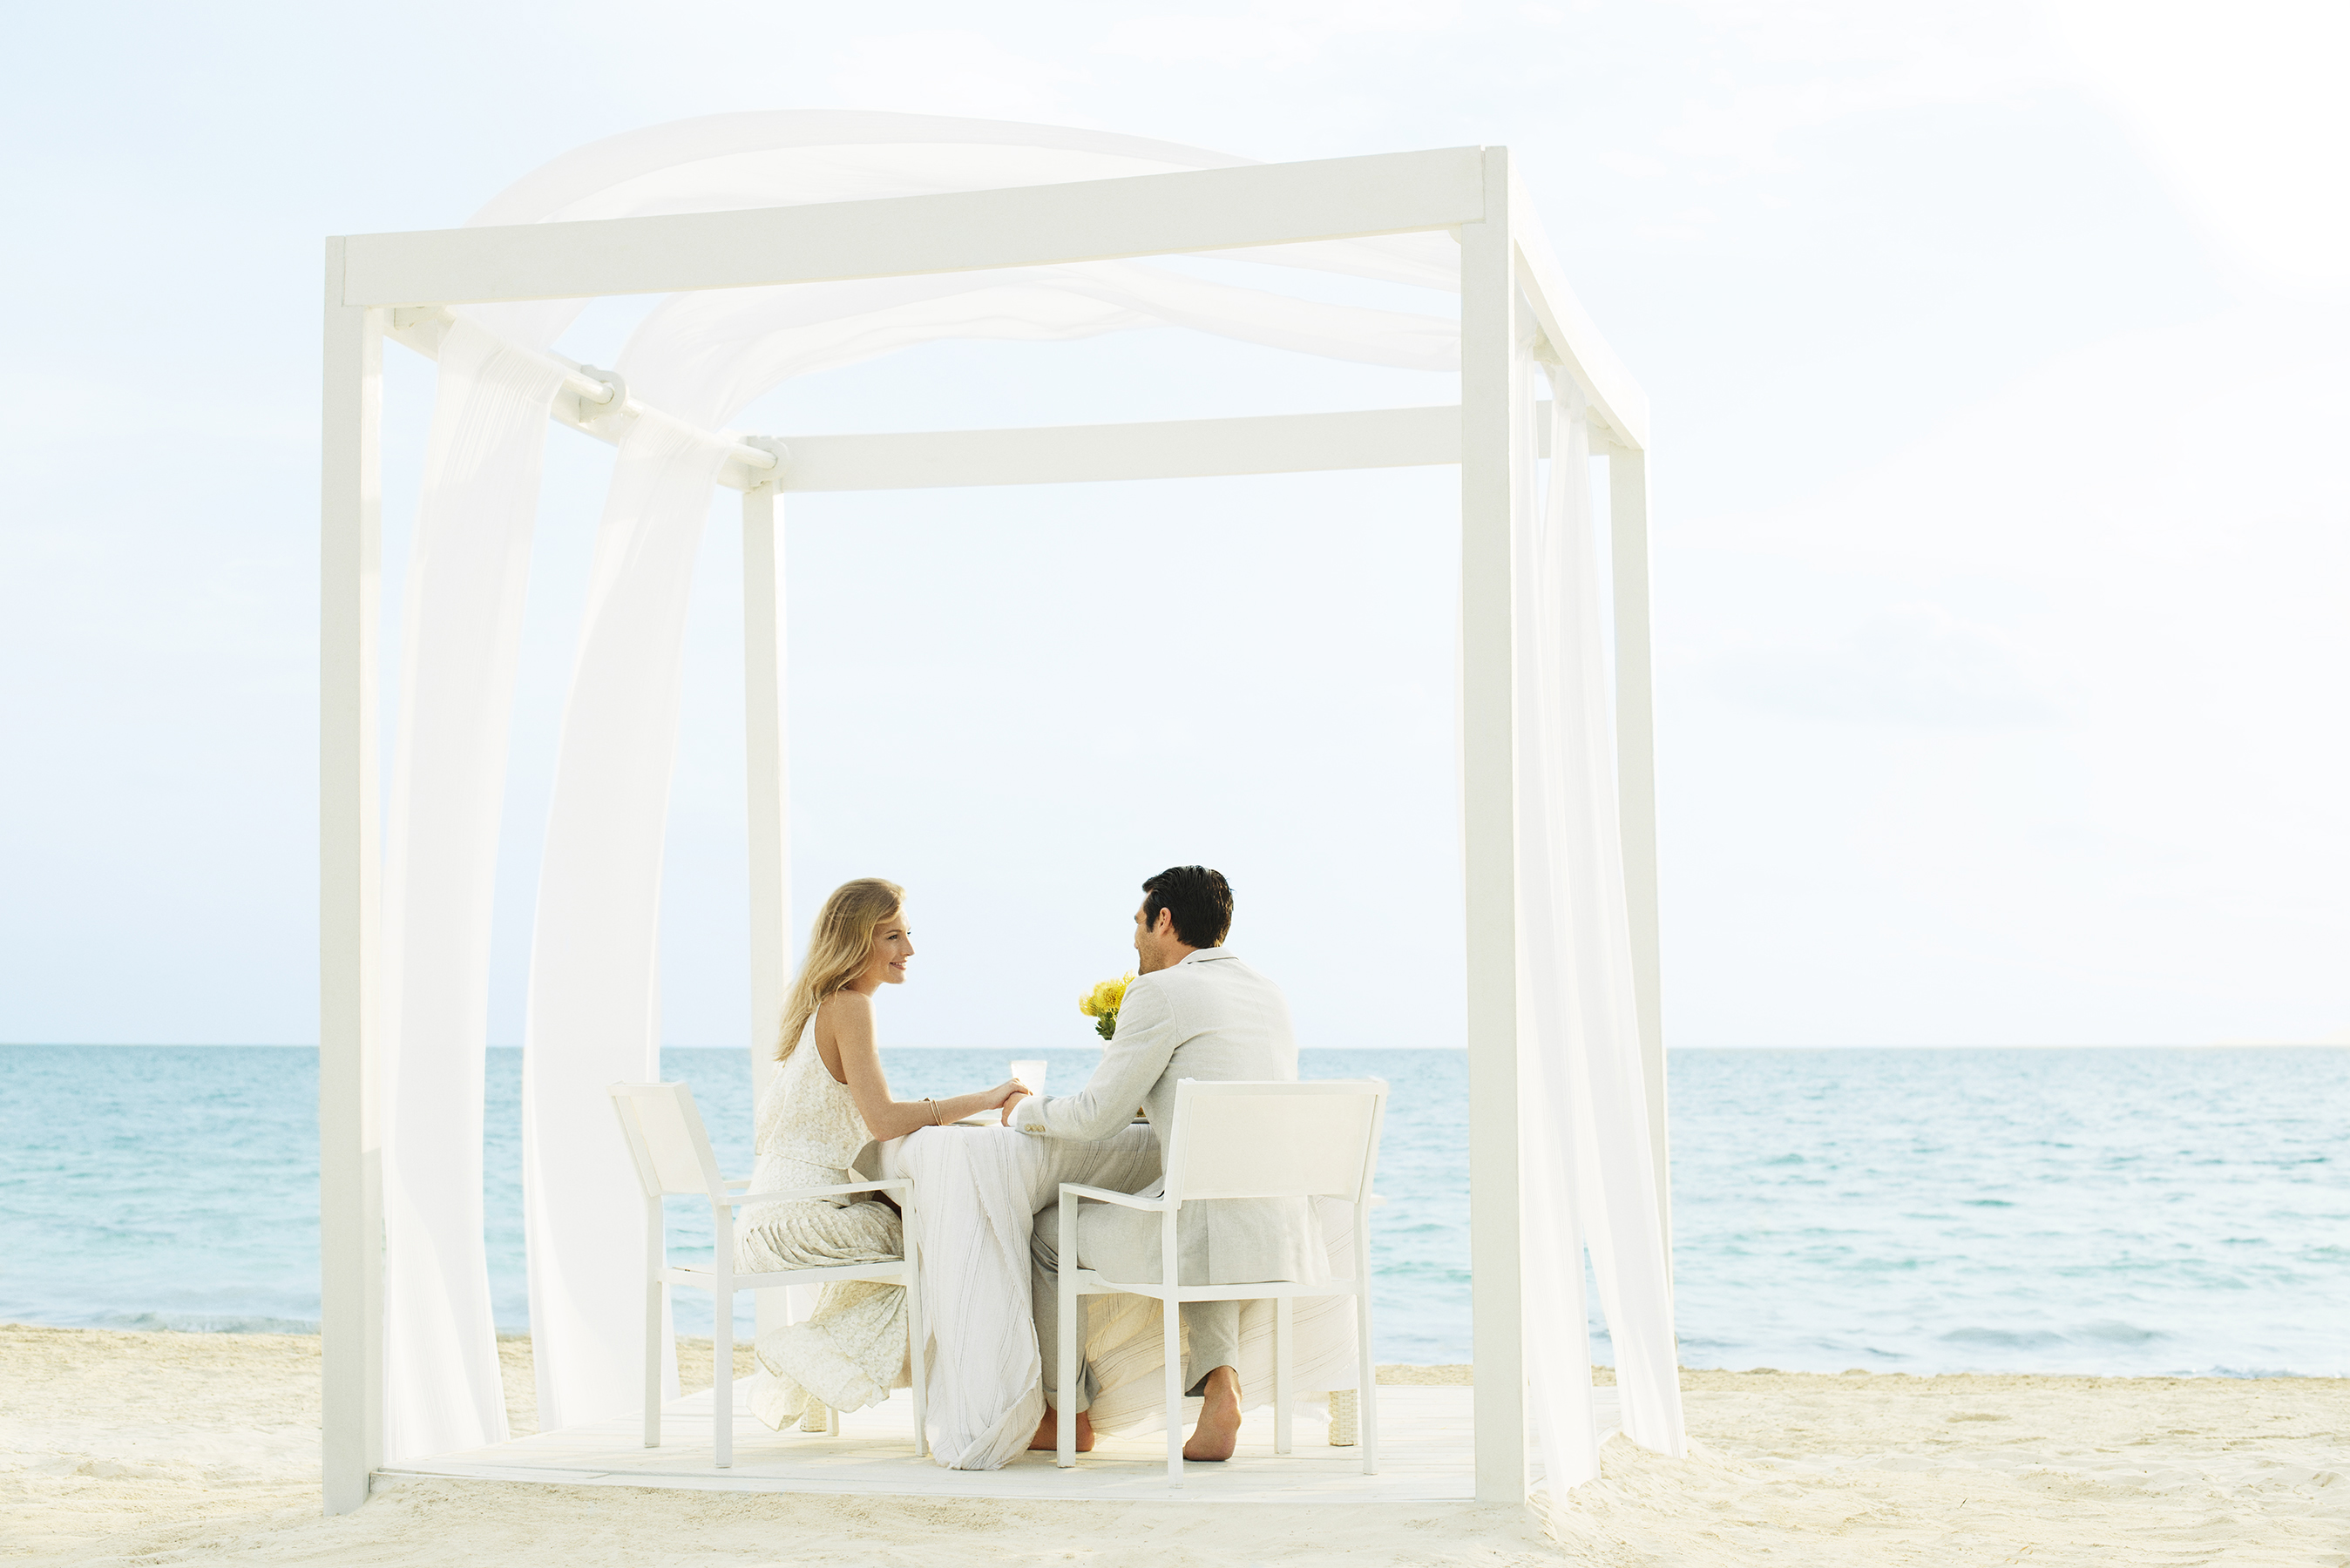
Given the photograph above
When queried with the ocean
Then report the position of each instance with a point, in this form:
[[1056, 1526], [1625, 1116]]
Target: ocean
[[2123, 1211]]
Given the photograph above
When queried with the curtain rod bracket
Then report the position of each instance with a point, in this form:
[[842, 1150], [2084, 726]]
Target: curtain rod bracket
[[614, 386]]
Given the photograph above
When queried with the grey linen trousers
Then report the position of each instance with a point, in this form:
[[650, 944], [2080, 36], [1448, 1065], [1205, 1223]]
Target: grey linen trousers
[[1212, 1329]]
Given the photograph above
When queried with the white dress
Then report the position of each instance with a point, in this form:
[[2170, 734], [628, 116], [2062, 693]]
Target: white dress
[[852, 1351]]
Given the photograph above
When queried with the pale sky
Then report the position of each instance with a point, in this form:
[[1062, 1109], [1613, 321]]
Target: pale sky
[[1999, 356]]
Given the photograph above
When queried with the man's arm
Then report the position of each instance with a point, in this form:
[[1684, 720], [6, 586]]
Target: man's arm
[[1136, 1054]]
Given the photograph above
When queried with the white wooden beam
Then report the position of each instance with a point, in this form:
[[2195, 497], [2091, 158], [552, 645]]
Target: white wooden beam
[[963, 231], [350, 1156], [1616, 400], [1173, 449], [1489, 485], [767, 736], [1635, 792], [1056, 454]]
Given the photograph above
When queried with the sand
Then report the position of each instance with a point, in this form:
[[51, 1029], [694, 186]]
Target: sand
[[165, 1449]]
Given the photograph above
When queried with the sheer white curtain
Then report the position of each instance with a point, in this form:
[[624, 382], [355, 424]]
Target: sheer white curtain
[[704, 356], [1585, 1138], [792, 157], [1557, 1342], [788, 157], [595, 994], [464, 603]]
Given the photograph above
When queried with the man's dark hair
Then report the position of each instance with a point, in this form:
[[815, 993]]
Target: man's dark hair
[[1200, 899]]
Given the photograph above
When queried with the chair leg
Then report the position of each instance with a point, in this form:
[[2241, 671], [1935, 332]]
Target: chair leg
[[916, 1343], [721, 1367], [655, 1247], [1170, 1275], [1366, 1372], [1064, 1420], [1281, 1343], [1173, 1313]]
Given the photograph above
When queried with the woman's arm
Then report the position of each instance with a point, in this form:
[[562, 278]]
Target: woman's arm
[[851, 1019]]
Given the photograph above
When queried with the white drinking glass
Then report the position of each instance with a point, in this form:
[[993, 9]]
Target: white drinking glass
[[1031, 1075]]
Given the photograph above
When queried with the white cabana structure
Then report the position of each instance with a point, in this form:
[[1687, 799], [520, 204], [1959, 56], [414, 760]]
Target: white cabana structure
[[789, 242]]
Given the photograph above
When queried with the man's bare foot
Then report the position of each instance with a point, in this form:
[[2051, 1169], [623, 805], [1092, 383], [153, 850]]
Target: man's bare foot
[[1218, 1432], [1048, 1435]]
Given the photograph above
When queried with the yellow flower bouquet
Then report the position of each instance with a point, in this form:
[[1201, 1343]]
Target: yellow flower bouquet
[[1102, 1002]]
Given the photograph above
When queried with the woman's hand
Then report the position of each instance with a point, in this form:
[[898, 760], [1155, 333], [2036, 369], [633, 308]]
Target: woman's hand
[[1008, 1096]]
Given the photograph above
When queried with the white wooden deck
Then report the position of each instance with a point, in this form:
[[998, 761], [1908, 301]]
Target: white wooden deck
[[1426, 1456]]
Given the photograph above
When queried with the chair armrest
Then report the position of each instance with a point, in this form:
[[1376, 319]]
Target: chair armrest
[[1104, 1195], [782, 1193], [738, 1181]]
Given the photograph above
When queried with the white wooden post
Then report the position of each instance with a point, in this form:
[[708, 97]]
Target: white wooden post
[[350, 1154], [766, 771], [1489, 481], [1636, 790]]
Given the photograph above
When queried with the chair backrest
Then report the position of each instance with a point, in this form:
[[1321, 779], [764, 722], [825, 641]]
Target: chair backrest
[[667, 1141], [1275, 1140]]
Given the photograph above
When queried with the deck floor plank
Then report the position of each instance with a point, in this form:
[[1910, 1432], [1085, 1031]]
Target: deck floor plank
[[1426, 1456]]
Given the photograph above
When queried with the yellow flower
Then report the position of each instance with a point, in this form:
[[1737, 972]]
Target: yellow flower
[[1102, 1002]]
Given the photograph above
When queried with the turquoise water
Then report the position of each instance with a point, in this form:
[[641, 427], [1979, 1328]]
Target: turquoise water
[[2179, 1211]]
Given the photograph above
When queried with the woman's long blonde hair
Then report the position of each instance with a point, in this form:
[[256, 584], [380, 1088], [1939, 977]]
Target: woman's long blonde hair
[[838, 950]]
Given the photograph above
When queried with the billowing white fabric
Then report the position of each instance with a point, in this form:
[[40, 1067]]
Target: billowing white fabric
[[1557, 1344], [595, 1000], [704, 356], [468, 569], [795, 157], [790, 157], [1584, 1149]]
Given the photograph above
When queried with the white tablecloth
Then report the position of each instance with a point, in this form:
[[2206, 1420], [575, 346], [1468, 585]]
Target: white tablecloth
[[976, 1193]]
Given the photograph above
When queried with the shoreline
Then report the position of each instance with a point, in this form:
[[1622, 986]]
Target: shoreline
[[166, 1448], [1601, 1376]]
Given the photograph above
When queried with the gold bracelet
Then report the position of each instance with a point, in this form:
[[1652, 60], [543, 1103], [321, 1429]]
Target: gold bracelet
[[935, 1111]]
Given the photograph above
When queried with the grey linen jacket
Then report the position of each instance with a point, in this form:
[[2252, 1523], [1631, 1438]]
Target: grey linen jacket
[[1212, 1018]]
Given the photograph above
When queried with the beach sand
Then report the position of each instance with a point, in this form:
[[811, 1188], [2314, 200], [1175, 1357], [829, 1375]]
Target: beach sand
[[167, 1449]]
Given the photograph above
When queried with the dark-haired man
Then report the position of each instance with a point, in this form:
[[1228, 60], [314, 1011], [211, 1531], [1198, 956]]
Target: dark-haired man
[[1193, 1010]]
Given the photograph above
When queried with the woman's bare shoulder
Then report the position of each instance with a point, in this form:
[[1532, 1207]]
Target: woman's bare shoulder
[[845, 1006]]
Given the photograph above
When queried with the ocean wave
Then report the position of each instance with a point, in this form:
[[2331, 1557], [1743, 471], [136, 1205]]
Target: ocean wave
[[2105, 1331], [2110, 1331], [201, 1322]]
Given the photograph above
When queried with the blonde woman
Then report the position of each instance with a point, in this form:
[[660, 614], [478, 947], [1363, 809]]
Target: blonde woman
[[828, 1100]]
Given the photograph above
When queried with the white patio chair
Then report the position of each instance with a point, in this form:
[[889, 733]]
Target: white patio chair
[[1242, 1140], [673, 1158]]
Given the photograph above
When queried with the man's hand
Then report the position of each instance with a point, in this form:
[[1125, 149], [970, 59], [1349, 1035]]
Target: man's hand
[[1011, 1101]]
